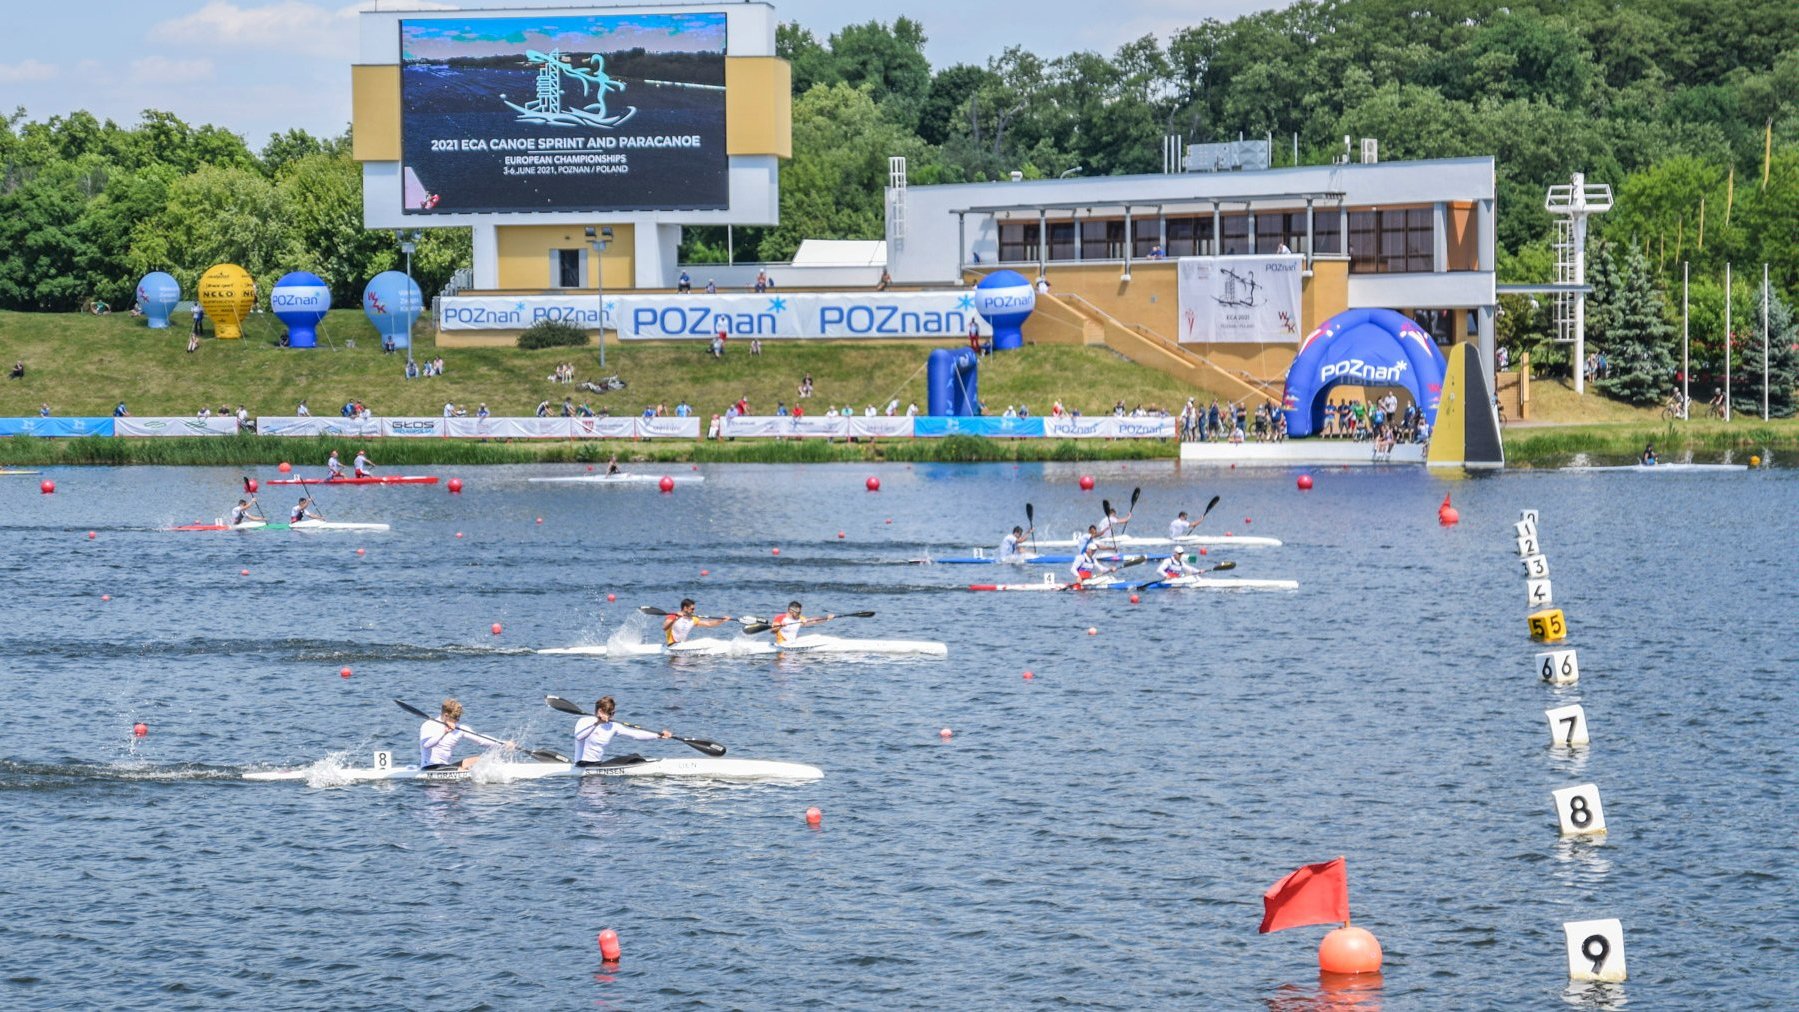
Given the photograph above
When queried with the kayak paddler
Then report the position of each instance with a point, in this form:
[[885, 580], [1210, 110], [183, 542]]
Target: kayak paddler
[[1179, 526], [677, 627], [1648, 459], [334, 468], [241, 513], [612, 465], [1112, 525], [363, 465], [1012, 548], [1175, 566], [1085, 566], [593, 734], [439, 736], [303, 511], [788, 624]]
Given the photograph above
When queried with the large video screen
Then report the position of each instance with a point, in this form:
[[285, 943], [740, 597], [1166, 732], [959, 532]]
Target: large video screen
[[563, 113]]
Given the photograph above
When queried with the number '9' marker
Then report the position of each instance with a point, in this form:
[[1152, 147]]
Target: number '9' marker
[[1595, 949]]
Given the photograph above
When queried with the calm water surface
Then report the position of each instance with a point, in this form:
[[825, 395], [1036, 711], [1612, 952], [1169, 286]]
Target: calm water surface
[[1099, 835]]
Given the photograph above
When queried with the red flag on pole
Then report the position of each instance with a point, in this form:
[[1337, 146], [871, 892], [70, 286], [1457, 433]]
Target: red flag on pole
[[1314, 894]]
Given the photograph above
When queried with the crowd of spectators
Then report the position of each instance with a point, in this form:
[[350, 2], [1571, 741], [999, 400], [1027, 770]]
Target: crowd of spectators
[[1232, 422]]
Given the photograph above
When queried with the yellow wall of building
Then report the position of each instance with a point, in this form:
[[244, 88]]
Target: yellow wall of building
[[375, 113], [524, 256], [758, 106]]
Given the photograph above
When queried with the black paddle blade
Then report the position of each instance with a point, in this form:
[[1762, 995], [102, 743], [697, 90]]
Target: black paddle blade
[[545, 755], [566, 706], [1030, 514], [1209, 506], [711, 748], [1222, 566], [415, 711], [759, 627], [647, 610], [1136, 493], [857, 614], [1106, 505]]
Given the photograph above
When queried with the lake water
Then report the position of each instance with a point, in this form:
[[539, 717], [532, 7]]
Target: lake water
[[1098, 835]]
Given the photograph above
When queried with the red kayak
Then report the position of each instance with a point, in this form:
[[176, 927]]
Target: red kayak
[[383, 479]]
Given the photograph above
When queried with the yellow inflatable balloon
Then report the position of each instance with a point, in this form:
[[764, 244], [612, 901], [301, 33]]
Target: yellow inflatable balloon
[[227, 293]]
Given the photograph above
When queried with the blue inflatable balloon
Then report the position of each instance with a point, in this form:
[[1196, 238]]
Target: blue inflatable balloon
[[393, 303], [300, 301], [1006, 299], [1362, 347], [157, 294]]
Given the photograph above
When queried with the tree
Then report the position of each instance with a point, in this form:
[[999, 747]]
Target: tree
[[835, 186], [945, 103], [1783, 360], [1627, 321], [216, 215], [323, 196], [887, 61]]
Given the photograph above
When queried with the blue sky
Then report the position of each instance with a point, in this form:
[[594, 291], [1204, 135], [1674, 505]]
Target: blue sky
[[261, 66]]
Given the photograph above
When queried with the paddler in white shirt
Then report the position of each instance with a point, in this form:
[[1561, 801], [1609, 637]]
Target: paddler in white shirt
[[593, 734], [612, 465], [303, 511], [1086, 566], [363, 465], [788, 624], [1175, 566], [1179, 526], [1112, 525], [241, 514], [439, 736], [1012, 548], [676, 628], [334, 468]]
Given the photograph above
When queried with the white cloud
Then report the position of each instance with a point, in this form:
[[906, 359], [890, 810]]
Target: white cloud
[[292, 27], [28, 70], [162, 70]]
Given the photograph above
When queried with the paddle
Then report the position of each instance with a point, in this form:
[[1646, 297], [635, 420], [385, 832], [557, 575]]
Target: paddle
[[1134, 560], [543, 754], [566, 706], [1030, 525], [1222, 566], [659, 613], [762, 627], [311, 501]]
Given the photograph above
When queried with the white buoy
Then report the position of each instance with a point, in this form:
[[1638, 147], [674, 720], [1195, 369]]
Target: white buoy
[[1595, 949], [1558, 667], [1567, 725], [1536, 567], [1528, 545], [1524, 529], [1528, 517], [1538, 593], [1579, 810]]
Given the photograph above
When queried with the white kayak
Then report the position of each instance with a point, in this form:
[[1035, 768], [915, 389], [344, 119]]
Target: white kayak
[[696, 767], [334, 525], [1663, 468], [708, 646], [1208, 540], [624, 478], [1147, 582]]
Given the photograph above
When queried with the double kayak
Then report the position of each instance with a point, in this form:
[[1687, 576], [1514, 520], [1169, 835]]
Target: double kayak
[[749, 647], [1179, 583], [1023, 560], [220, 525], [623, 478], [303, 525], [373, 479], [1661, 468], [696, 767], [1207, 540], [6, 470]]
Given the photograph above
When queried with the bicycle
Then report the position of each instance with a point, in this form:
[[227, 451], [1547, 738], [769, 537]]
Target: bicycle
[[1676, 407], [1716, 408], [95, 307]]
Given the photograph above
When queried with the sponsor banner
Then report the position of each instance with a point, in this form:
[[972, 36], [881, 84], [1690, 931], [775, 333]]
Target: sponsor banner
[[509, 428], [668, 428], [602, 428], [182, 426], [413, 427], [1239, 298], [804, 427], [62, 427], [932, 426], [1109, 427], [290, 425], [554, 111], [698, 317], [880, 426]]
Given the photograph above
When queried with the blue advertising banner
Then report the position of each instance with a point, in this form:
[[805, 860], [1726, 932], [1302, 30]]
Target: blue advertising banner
[[56, 426], [932, 426]]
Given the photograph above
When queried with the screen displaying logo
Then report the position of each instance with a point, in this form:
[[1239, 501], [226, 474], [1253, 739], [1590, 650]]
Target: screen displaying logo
[[620, 112]]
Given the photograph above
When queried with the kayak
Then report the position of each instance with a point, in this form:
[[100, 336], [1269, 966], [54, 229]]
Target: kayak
[[696, 767], [1208, 540], [334, 525], [624, 478], [1025, 560], [252, 525], [1663, 468], [4, 471], [1147, 583], [374, 479], [748, 647]]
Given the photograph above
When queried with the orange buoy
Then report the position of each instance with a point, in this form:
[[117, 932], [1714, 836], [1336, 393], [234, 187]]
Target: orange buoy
[[343, 672], [1449, 516], [92, 535], [611, 598], [251, 485], [105, 597], [1092, 631], [609, 945], [839, 535], [362, 551], [140, 729], [945, 734], [1202, 551], [243, 572], [814, 816], [496, 628], [873, 484], [1305, 483], [284, 467], [705, 572], [667, 484], [1086, 483], [459, 534], [540, 520], [774, 551], [1134, 599], [1349, 949], [455, 486]]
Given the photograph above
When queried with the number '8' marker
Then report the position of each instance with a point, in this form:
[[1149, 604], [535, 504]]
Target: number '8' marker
[[1558, 667], [1595, 949], [1567, 725], [1548, 625], [383, 760], [1579, 810]]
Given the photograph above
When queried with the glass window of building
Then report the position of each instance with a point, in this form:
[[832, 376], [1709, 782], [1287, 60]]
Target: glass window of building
[[1102, 239], [1017, 242], [1235, 234], [1061, 240]]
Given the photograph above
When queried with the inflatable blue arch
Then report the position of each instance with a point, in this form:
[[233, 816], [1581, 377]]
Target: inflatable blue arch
[[1367, 347]]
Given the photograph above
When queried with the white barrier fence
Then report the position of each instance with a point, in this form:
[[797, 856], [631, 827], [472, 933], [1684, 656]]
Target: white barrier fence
[[130, 425], [483, 428], [889, 427], [834, 315]]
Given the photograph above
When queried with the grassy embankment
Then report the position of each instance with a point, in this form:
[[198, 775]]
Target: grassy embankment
[[1565, 425]]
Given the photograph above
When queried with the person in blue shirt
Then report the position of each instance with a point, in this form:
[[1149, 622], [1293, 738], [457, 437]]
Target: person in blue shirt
[[120, 412]]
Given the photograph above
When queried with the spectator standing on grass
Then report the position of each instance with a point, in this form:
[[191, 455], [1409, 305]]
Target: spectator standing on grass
[[481, 412], [120, 412], [781, 409], [43, 410], [755, 346], [684, 284]]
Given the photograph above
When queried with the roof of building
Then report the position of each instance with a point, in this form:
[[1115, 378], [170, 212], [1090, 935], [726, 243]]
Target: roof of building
[[841, 253]]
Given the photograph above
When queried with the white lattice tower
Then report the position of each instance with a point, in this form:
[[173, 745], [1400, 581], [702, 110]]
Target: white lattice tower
[[1574, 204], [896, 204]]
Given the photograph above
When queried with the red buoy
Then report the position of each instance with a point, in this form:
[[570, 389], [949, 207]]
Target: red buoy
[[611, 598], [105, 597], [1449, 516], [1028, 676], [705, 572], [284, 467], [496, 628], [774, 551], [814, 816], [839, 535], [361, 551], [343, 672], [540, 520], [456, 486], [1349, 949], [92, 535], [459, 534], [609, 945], [243, 572], [1086, 483], [946, 734], [140, 729], [1305, 483], [873, 484], [46, 486], [667, 484], [1133, 599]]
